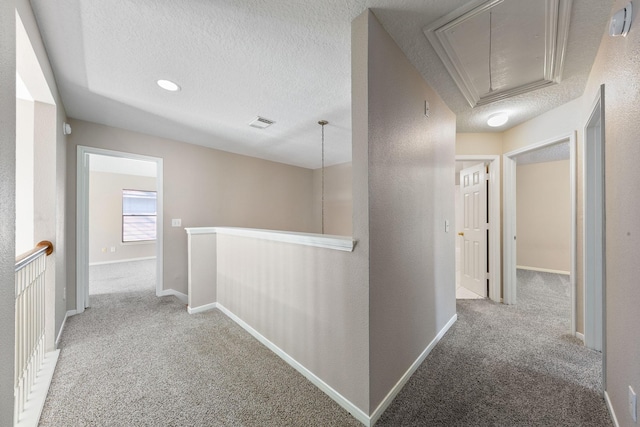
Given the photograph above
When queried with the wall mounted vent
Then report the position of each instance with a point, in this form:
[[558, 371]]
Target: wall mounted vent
[[261, 123]]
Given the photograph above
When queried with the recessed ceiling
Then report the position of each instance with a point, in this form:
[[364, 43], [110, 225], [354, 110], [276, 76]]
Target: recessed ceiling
[[238, 59], [502, 48]]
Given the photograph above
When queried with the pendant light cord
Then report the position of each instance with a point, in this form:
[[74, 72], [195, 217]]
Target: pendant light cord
[[322, 123], [490, 51]]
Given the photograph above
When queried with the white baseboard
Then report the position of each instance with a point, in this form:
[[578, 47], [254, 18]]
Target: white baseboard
[[33, 408], [64, 322], [332, 393], [117, 261], [580, 336], [169, 292], [610, 408], [403, 380], [202, 308], [543, 270]]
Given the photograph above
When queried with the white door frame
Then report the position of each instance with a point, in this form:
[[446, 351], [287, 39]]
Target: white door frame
[[509, 219], [82, 220], [494, 218], [594, 226]]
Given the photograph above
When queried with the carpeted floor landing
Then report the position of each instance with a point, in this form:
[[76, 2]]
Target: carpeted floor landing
[[137, 360], [507, 366]]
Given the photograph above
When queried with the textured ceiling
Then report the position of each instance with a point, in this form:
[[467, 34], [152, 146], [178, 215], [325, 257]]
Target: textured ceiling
[[549, 153], [499, 49], [285, 60]]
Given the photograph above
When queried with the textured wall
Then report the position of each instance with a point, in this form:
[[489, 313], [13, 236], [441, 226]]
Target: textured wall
[[105, 217], [203, 187], [24, 175], [303, 299], [411, 180], [7, 207], [544, 215], [557, 122], [338, 200], [561, 121], [44, 203], [203, 270], [479, 143], [616, 67], [56, 217]]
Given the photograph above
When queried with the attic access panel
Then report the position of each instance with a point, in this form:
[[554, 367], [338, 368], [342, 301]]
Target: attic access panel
[[497, 49]]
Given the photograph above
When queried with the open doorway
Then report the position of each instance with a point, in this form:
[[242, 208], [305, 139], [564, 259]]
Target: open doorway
[[122, 225], [561, 148], [125, 228]]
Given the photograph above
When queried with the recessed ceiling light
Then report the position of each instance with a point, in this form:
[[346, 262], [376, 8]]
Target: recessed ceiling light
[[497, 119], [168, 85]]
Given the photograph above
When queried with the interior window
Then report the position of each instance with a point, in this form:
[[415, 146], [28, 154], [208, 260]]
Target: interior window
[[138, 215]]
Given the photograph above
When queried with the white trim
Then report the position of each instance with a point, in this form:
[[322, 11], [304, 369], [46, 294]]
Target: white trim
[[200, 230], [172, 292], [30, 416], [509, 219], [495, 254], [202, 308], [402, 381], [64, 322], [82, 219], [612, 413], [339, 243], [557, 17], [593, 224], [509, 231], [118, 261], [573, 189], [332, 393], [543, 270], [580, 336]]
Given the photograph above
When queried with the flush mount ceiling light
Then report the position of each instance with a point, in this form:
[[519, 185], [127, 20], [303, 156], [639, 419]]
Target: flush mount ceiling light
[[497, 119], [168, 85], [621, 21]]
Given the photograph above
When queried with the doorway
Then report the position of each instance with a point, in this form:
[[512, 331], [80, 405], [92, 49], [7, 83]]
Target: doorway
[[493, 213], [122, 224], [509, 220], [107, 249]]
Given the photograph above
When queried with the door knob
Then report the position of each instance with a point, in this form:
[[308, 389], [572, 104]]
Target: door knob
[[461, 233]]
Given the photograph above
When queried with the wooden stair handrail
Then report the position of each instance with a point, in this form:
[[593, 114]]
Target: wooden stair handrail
[[25, 258]]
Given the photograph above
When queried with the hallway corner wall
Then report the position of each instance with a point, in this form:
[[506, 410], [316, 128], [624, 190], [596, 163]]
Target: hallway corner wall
[[410, 161]]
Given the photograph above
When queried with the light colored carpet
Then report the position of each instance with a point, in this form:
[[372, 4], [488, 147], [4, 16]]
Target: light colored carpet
[[137, 360], [507, 366], [133, 359]]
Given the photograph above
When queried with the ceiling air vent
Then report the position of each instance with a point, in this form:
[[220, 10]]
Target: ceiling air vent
[[261, 123]]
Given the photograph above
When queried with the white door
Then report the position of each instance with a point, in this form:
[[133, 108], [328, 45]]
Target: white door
[[473, 188]]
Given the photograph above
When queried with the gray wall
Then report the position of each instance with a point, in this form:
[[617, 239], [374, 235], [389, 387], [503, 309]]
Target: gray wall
[[338, 200], [203, 187], [105, 217], [410, 180], [7, 190], [309, 301], [616, 67], [56, 220], [7, 207]]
